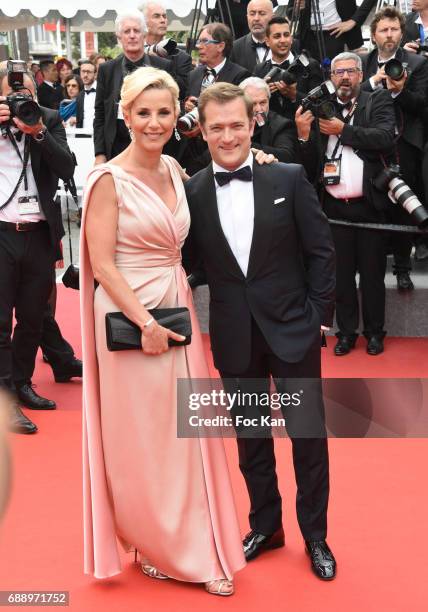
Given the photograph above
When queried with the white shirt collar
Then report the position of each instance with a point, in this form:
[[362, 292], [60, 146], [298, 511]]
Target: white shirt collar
[[383, 61], [219, 66], [248, 162], [49, 83], [290, 58], [419, 20]]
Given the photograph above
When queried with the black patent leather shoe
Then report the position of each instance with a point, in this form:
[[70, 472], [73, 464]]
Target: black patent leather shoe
[[18, 422], [322, 559], [375, 345], [404, 282], [31, 399], [344, 345], [255, 543], [71, 370]]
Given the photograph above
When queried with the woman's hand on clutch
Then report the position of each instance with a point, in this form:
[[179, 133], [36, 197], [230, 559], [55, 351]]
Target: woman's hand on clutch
[[154, 339]]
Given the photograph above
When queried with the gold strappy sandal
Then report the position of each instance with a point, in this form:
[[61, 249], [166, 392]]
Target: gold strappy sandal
[[152, 571], [220, 587]]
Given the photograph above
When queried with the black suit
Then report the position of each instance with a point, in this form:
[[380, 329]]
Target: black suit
[[347, 9], [80, 109], [411, 32], [181, 66], [27, 258], [110, 134], [370, 136], [409, 106], [277, 136], [281, 104], [268, 322], [48, 96], [244, 53]]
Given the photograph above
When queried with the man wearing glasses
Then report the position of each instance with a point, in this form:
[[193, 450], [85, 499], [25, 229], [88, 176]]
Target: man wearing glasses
[[351, 147], [214, 46]]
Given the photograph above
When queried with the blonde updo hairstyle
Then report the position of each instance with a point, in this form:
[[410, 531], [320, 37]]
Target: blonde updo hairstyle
[[146, 78]]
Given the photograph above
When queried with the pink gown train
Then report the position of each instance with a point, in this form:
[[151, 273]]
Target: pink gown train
[[169, 498]]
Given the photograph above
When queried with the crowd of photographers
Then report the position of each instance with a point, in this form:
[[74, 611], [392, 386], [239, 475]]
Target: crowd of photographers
[[357, 122]]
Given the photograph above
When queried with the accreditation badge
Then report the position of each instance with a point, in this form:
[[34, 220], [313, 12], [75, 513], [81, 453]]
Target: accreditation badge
[[331, 173]]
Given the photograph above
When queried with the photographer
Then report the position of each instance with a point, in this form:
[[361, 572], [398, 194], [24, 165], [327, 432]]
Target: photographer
[[415, 37], [272, 133], [285, 97], [349, 154], [34, 154], [407, 84], [156, 43]]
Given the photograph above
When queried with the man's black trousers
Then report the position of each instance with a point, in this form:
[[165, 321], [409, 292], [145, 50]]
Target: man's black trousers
[[26, 262], [257, 457]]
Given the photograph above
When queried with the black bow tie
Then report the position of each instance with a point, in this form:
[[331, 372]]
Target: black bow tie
[[88, 91], [131, 66], [258, 45], [243, 174], [341, 107]]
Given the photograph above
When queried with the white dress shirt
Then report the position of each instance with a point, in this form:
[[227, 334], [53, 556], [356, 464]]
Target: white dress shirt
[[328, 14], [10, 171], [262, 52], [235, 202], [351, 173], [419, 22], [89, 108], [290, 58]]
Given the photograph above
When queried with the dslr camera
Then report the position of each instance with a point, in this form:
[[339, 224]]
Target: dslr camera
[[186, 123], [165, 48], [319, 101], [400, 193], [291, 74], [21, 104], [395, 69]]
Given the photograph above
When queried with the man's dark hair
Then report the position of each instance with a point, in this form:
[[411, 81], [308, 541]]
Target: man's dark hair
[[273, 21], [44, 65], [389, 12], [221, 33]]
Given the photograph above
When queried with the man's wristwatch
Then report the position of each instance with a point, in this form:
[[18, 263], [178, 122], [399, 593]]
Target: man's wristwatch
[[40, 136]]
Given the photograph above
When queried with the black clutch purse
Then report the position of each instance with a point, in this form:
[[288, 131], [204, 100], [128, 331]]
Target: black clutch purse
[[123, 334], [70, 277]]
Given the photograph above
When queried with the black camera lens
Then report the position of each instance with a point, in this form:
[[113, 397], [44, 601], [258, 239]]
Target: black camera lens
[[27, 111], [394, 69]]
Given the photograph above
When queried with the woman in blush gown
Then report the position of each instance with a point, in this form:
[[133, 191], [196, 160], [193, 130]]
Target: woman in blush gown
[[166, 497]]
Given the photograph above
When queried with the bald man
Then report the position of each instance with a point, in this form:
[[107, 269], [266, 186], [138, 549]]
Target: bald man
[[251, 49]]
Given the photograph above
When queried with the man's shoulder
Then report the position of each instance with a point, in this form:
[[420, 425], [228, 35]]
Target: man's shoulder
[[193, 183], [414, 61], [159, 62], [231, 70], [240, 43], [50, 116], [278, 122], [280, 170]]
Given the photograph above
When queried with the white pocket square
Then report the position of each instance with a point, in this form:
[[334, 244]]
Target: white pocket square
[[278, 201]]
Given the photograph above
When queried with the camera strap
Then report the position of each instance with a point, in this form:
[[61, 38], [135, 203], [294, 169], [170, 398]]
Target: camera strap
[[346, 121], [23, 175]]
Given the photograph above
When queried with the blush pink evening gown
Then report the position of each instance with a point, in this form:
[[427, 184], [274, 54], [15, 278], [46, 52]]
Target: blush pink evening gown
[[169, 498]]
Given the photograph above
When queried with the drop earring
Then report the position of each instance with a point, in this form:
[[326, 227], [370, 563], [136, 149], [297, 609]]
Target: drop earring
[[131, 133]]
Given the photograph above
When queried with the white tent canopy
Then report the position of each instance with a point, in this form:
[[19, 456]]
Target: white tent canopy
[[94, 8]]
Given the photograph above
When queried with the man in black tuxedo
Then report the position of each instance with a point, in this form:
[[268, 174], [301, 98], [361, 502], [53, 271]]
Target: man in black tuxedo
[[214, 44], [351, 151], [341, 24], [157, 26], [49, 93], [251, 49], [286, 98], [409, 94], [30, 231], [269, 260], [272, 133], [85, 101], [111, 136]]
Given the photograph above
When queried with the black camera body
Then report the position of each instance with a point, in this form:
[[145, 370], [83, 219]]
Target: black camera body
[[21, 105], [297, 69], [399, 192], [422, 49], [319, 101]]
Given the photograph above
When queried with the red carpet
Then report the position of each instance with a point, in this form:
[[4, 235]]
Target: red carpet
[[378, 513]]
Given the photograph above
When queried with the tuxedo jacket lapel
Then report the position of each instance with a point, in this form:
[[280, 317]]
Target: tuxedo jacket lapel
[[212, 223], [263, 207], [117, 78]]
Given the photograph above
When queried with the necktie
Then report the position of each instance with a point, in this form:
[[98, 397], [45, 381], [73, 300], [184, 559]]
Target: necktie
[[88, 91], [243, 174], [209, 77]]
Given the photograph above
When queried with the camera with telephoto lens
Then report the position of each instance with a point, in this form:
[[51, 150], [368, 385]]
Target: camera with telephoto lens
[[319, 101], [297, 69], [164, 48], [399, 192], [21, 105], [395, 69], [189, 121]]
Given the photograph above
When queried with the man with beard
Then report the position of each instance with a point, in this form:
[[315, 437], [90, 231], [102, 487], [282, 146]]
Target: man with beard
[[251, 49], [285, 98], [409, 94], [352, 144]]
